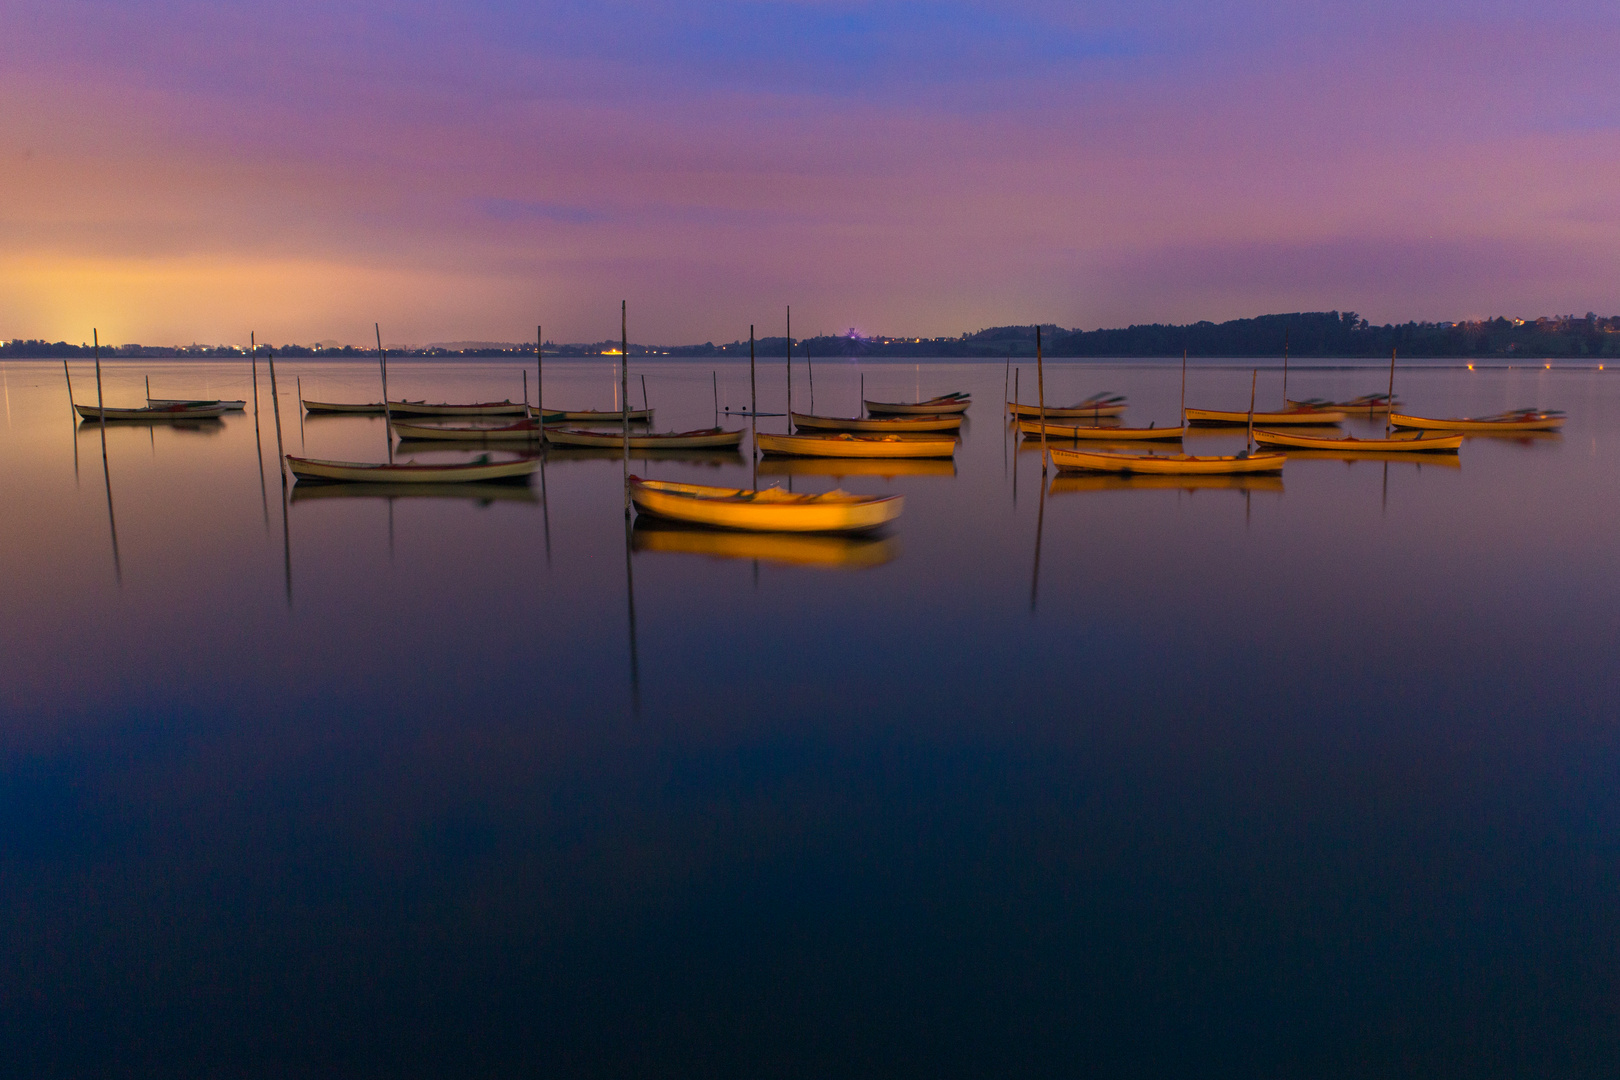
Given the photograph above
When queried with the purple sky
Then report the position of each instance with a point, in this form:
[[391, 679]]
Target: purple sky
[[179, 171]]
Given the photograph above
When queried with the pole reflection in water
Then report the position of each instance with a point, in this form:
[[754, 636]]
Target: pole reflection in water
[[258, 440], [545, 503], [630, 598], [1040, 528], [73, 418], [281, 459], [106, 471]]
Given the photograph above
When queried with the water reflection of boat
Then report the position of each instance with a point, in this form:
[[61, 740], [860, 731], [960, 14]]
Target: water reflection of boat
[[702, 438], [847, 552], [1032, 429], [722, 456], [1168, 464], [886, 467], [205, 425], [1066, 482], [1444, 461], [764, 510], [847, 445], [485, 492], [524, 430]]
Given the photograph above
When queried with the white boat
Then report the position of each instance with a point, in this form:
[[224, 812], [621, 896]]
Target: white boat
[[477, 408], [938, 406], [701, 439], [153, 414], [594, 416], [164, 403]]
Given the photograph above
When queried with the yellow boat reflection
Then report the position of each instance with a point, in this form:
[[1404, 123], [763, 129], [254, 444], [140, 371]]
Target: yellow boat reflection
[[837, 552], [1065, 483], [885, 467]]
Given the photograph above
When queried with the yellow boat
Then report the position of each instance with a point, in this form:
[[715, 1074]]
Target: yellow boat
[[1167, 464], [888, 468], [1288, 417], [594, 416], [1404, 443], [1077, 432], [1517, 420], [845, 445], [794, 549], [767, 510], [1070, 482], [701, 439], [945, 403], [1094, 406], [461, 472], [887, 423]]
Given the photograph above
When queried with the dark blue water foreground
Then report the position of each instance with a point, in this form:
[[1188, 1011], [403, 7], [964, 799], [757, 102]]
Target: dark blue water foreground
[[1310, 777]]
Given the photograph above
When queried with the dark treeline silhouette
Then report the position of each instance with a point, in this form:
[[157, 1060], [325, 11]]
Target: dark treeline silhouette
[[1309, 334]]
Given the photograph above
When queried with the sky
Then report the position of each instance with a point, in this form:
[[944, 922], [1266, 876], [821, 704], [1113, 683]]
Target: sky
[[192, 170]]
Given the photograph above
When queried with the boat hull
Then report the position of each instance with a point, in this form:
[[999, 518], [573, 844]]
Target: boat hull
[[1168, 464], [706, 439], [847, 445], [931, 422], [1081, 432], [411, 473], [1403, 444], [165, 403], [770, 510], [1537, 422], [343, 407], [1063, 412], [937, 407], [1353, 408], [1288, 418], [153, 414]]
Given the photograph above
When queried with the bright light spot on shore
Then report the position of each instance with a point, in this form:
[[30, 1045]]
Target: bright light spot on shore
[[1470, 367]]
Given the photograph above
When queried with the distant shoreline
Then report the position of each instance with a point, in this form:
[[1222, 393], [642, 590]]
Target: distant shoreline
[[1328, 335]]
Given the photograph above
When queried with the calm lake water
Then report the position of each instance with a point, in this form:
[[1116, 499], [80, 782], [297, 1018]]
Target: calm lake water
[[1305, 777]]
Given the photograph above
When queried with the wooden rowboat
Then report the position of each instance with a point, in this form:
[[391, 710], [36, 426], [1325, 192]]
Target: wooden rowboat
[[1369, 404], [1077, 432], [939, 406], [159, 414], [701, 439], [595, 416], [524, 429], [1404, 443], [478, 408], [767, 510], [163, 403], [1287, 418], [846, 445], [500, 491], [794, 549], [1517, 420], [1168, 464], [1094, 406], [342, 407], [462, 472], [934, 422]]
